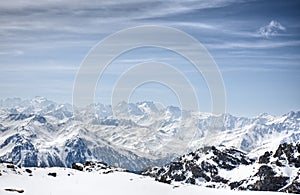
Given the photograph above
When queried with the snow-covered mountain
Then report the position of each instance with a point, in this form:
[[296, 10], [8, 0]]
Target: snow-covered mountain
[[229, 168], [40, 132]]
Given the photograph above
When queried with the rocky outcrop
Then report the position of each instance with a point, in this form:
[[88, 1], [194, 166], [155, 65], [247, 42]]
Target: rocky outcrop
[[294, 187], [288, 154], [268, 181], [92, 166], [200, 166], [212, 167], [279, 172]]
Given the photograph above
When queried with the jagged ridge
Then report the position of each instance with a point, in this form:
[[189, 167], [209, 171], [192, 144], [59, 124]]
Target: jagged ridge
[[222, 167], [40, 132]]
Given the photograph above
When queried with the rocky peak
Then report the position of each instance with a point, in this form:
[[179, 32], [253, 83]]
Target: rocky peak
[[219, 167], [203, 165]]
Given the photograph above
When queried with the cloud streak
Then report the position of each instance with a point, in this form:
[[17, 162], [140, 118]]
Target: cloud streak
[[253, 44]]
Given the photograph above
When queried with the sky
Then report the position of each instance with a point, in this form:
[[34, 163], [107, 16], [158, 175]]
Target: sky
[[255, 44]]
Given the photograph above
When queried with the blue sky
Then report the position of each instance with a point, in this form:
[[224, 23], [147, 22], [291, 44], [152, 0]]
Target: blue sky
[[256, 45]]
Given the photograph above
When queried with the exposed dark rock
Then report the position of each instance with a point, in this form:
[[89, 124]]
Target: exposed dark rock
[[270, 184], [191, 169], [100, 167], [52, 174], [265, 158], [164, 179], [230, 158], [77, 166], [176, 166], [265, 171], [14, 190], [191, 180], [10, 166], [204, 165], [286, 152], [268, 181], [236, 184], [198, 172], [294, 187], [28, 170], [219, 179], [278, 163]]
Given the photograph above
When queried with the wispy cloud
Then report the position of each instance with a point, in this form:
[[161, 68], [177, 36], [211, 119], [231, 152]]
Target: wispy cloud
[[29, 23], [11, 53], [36, 67], [60, 15], [196, 25], [272, 29], [253, 44]]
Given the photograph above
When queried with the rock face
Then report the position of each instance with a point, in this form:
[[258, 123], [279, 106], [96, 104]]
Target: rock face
[[222, 167], [294, 187], [280, 171], [288, 154], [268, 181], [201, 166]]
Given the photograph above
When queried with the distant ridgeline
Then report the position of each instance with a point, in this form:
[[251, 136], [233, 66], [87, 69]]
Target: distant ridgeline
[[40, 132]]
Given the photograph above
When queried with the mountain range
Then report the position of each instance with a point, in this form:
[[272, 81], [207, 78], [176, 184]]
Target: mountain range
[[41, 132]]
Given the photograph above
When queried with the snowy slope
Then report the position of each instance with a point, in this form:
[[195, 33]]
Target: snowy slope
[[36, 181]]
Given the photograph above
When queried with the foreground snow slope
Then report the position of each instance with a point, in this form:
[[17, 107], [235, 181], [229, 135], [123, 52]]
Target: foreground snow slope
[[70, 181]]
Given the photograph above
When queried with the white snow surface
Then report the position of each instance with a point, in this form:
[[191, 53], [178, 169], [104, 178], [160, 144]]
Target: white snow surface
[[70, 181]]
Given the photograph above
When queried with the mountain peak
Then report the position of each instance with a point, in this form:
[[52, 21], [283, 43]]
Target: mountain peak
[[142, 130]]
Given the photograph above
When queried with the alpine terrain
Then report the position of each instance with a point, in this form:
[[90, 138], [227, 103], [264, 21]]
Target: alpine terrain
[[173, 146]]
